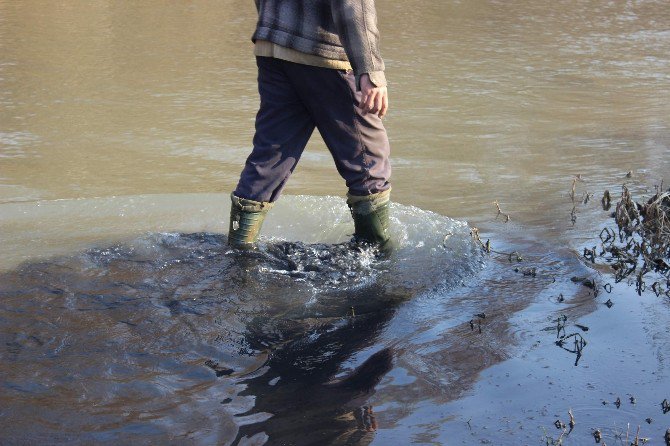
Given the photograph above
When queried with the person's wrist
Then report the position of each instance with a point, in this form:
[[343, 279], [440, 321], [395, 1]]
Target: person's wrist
[[377, 78]]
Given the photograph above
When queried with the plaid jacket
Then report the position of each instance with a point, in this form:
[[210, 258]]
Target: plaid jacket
[[334, 29]]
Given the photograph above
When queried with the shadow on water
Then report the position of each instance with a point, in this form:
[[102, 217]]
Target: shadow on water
[[298, 389], [307, 405], [175, 337]]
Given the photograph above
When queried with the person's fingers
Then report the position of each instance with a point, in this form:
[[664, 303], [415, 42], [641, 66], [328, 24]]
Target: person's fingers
[[373, 104], [370, 102], [385, 105], [379, 98]]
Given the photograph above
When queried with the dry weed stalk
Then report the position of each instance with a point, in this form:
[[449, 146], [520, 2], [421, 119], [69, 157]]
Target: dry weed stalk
[[642, 244], [656, 214], [500, 212]]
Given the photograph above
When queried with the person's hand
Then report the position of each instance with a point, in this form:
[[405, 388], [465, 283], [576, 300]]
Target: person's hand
[[374, 99]]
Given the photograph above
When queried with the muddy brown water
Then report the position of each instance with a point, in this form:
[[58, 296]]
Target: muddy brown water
[[124, 318]]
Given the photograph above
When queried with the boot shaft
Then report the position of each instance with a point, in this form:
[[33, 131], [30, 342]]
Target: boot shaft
[[246, 220], [371, 216]]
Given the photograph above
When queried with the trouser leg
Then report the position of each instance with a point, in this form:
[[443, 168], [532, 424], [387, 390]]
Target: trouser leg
[[358, 143], [283, 127]]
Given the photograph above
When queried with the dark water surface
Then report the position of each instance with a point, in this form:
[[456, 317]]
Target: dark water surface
[[177, 337]]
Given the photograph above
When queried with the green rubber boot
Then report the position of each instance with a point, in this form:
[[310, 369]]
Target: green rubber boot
[[246, 219], [371, 217]]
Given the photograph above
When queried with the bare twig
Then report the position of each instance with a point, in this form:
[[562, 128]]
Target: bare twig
[[500, 212], [572, 420]]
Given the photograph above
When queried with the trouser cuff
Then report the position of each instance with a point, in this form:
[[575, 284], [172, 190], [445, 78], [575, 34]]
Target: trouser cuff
[[366, 204], [247, 205]]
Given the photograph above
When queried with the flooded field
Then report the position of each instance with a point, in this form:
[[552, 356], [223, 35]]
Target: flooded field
[[125, 319]]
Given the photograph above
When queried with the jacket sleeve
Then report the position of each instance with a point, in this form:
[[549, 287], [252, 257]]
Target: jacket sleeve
[[258, 5], [356, 24]]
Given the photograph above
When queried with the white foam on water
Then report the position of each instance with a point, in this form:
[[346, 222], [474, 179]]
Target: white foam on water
[[429, 246]]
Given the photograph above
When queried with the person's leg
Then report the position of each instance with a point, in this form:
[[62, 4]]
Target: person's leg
[[358, 143], [283, 127]]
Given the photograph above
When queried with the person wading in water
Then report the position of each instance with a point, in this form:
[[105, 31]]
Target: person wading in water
[[319, 66]]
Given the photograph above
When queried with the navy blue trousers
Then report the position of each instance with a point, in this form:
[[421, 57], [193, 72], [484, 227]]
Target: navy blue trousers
[[295, 99]]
